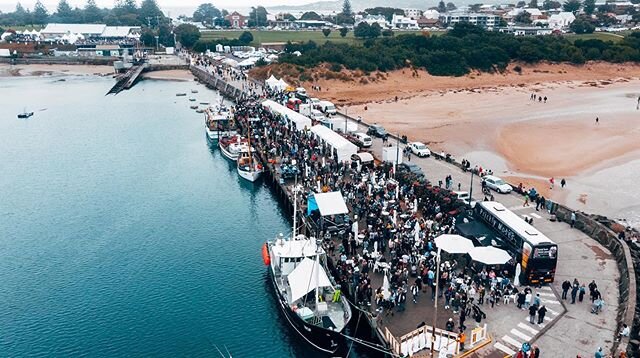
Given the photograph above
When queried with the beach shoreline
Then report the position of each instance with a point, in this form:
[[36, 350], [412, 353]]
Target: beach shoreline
[[7, 70], [500, 127]]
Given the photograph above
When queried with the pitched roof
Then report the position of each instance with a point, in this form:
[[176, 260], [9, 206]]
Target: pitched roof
[[94, 29]]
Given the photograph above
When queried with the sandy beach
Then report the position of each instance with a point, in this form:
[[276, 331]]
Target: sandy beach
[[491, 121], [169, 75], [53, 70]]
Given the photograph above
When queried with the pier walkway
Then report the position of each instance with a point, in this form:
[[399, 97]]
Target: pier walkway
[[569, 329]]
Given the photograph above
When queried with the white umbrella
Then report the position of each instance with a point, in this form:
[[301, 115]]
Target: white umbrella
[[516, 280], [489, 255], [386, 293], [454, 244]]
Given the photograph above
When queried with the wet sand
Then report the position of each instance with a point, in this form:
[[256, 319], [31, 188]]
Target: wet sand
[[53, 70], [169, 75], [526, 141]]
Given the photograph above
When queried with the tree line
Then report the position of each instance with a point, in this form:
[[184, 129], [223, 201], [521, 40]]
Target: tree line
[[464, 48]]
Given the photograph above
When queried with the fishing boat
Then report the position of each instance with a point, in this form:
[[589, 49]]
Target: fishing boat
[[232, 146], [193, 107], [194, 91], [204, 103], [199, 110], [249, 166], [182, 94], [216, 123], [306, 294], [25, 114], [192, 99]]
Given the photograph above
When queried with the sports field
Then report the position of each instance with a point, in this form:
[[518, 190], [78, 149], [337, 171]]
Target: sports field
[[284, 36]]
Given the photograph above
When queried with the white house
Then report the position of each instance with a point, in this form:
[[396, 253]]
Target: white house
[[374, 19], [413, 14], [561, 20], [403, 22]]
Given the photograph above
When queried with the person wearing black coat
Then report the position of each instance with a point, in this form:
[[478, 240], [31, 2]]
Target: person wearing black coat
[[541, 313], [532, 313]]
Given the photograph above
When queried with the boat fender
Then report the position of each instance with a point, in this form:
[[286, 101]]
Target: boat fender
[[265, 255]]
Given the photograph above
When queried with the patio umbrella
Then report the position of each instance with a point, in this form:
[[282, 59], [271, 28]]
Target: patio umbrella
[[454, 244], [489, 255]]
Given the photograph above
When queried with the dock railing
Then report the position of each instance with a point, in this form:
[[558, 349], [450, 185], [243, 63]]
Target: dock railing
[[420, 339]]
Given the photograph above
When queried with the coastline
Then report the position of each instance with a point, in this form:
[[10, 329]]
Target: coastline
[[7, 70], [499, 127]]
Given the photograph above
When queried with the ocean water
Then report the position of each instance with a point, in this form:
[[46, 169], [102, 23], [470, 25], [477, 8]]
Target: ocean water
[[123, 234]]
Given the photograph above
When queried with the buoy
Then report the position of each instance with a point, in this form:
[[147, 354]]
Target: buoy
[[265, 255]]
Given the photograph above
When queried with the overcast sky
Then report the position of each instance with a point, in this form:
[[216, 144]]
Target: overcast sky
[[167, 5]]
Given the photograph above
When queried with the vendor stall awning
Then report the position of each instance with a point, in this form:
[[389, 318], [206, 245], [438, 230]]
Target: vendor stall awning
[[331, 203]]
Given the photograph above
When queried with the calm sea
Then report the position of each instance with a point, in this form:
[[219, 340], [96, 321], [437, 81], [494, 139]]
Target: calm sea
[[123, 234]]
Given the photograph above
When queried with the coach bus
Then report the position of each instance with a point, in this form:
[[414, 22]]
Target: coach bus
[[535, 252]]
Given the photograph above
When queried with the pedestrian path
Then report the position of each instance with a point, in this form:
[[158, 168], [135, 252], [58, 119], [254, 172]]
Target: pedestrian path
[[524, 331]]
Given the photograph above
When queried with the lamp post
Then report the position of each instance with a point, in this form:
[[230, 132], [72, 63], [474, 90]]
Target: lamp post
[[397, 155], [471, 188], [435, 305], [157, 37]]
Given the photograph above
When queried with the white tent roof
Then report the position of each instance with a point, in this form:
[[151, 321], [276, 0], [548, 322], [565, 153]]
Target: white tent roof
[[454, 244], [344, 148], [231, 62], [331, 203], [90, 29], [306, 277], [272, 82], [118, 31], [301, 122], [489, 255]]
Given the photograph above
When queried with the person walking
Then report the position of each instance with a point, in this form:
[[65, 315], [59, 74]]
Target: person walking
[[566, 285], [462, 337], [527, 299], [526, 200], [532, 313], [597, 120], [541, 313], [552, 181], [563, 182], [583, 290], [536, 300], [574, 292], [599, 353]]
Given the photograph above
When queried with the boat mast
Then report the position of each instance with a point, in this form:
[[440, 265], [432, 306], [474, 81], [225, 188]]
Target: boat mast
[[317, 269], [249, 142], [295, 205]]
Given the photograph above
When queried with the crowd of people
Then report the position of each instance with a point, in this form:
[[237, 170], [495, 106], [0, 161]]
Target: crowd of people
[[391, 232]]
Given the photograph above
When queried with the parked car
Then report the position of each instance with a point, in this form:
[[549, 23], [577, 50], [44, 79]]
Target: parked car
[[419, 149], [413, 168], [362, 139], [377, 130], [497, 184], [364, 158], [465, 198]]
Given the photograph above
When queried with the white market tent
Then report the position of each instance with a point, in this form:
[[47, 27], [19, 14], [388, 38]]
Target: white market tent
[[300, 121], [282, 84], [272, 82], [331, 203], [342, 146], [306, 277], [454, 244], [230, 62], [248, 62]]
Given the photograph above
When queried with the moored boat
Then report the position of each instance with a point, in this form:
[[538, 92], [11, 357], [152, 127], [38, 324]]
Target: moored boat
[[232, 146], [182, 94], [248, 165], [25, 114], [311, 304], [192, 99], [216, 123]]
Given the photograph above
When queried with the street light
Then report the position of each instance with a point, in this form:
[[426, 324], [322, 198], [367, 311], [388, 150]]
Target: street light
[[157, 46], [435, 305], [471, 188]]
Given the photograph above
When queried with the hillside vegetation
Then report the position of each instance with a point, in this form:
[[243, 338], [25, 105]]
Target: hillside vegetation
[[463, 49]]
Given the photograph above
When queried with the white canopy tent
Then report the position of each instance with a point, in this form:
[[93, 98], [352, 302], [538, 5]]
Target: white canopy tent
[[331, 203], [300, 121], [489, 255], [272, 82], [454, 244], [343, 147], [248, 62], [306, 277], [230, 62]]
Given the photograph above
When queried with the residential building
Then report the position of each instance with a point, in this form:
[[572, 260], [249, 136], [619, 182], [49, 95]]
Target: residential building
[[526, 30], [482, 20], [373, 19], [413, 14], [403, 22], [236, 20], [535, 13], [425, 23], [561, 20]]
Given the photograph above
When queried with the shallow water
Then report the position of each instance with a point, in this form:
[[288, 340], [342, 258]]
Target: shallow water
[[123, 234]]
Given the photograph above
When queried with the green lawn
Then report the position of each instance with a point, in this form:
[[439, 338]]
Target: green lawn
[[283, 36], [604, 36]]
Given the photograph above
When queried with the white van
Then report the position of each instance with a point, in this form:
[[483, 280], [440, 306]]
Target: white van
[[317, 115], [362, 139], [327, 107]]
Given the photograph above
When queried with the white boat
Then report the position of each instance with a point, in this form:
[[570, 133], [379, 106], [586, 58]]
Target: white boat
[[216, 123], [249, 166], [310, 300], [231, 147]]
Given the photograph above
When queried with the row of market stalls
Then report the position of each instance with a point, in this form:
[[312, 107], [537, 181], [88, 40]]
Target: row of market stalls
[[341, 147]]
